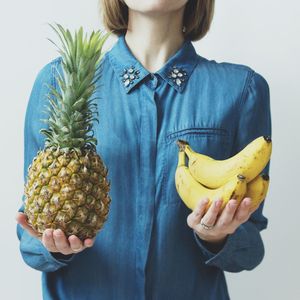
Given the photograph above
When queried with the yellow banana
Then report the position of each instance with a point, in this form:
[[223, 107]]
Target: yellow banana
[[192, 191], [257, 189], [249, 162]]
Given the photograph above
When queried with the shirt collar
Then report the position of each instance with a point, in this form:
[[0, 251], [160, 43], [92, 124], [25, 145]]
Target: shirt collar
[[176, 71]]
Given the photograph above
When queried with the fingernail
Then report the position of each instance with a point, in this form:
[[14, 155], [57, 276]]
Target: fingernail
[[205, 201], [88, 243], [218, 203], [58, 232], [48, 232], [247, 202], [232, 205]]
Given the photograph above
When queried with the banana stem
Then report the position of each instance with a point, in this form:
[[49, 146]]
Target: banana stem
[[265, 176], [181, 158], [182, 144]]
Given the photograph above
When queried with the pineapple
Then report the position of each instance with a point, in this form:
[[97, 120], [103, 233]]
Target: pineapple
[[66, 186]]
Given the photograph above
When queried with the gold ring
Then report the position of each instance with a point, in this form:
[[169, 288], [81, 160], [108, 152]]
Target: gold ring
[[206, 227]]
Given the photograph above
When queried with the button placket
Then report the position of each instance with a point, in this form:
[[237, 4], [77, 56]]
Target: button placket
[[153, 81], [146, 204]]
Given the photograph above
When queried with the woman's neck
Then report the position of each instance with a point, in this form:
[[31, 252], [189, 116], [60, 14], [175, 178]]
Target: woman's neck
[[153, 39]]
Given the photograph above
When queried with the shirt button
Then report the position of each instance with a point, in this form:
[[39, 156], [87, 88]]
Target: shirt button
[[153, 81]]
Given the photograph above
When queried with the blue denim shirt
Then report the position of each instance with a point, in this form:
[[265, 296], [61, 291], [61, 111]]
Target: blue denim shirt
[[146, 249]]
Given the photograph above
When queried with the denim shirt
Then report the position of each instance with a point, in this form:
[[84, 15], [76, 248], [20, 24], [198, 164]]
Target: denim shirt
[[146, 250]]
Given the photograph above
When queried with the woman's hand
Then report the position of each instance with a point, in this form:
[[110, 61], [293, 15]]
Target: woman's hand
[[213, 226], [55, 240]]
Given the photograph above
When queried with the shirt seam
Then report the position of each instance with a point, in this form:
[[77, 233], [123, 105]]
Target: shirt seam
[[246, 87], [241, 101]]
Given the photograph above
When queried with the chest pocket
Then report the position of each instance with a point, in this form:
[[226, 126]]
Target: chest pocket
[[209, 141]]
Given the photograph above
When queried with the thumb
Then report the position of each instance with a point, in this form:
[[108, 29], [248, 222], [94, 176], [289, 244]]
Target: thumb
[[21, 219]]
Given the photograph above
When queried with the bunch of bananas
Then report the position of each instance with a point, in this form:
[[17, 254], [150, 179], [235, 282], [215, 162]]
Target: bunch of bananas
[[234, 178]]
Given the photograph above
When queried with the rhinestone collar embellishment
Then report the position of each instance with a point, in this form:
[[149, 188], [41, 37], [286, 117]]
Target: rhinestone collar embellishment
[[178, 75], [129, 75]]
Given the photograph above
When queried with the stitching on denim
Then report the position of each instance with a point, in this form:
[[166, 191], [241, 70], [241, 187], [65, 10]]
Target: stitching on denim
[[246, 87], [113, 62], [196, 131], [164, 175]]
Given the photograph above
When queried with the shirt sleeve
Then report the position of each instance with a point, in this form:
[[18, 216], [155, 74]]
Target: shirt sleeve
[[244, 249], [32, 250]]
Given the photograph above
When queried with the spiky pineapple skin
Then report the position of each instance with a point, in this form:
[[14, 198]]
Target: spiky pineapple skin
[[67, 190]]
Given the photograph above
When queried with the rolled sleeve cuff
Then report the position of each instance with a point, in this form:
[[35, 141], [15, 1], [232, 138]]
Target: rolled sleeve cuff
[[233, 243], [59, 259], [37, 256]]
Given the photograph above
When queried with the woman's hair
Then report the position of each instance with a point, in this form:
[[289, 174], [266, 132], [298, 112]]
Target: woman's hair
[[197, 17]]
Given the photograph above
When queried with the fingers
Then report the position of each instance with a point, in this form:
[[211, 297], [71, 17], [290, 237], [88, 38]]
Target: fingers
[[89, 242], [227, 215], [72, 244], [55, 240], [194, 218], [215, 225], [210, 217], [48, 240], [21, 218], [243, 212], [61, 243], [75, 244]]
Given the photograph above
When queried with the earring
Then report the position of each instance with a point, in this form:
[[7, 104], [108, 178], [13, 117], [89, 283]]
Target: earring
[[183, 29]]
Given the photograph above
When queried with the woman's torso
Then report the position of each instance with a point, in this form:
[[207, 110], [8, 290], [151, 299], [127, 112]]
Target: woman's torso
[[146, 249]]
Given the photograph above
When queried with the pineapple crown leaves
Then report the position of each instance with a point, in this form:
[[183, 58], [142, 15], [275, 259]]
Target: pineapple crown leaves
[[72, 110]]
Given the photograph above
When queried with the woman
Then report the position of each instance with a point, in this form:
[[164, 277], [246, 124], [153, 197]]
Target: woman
[[152, 246]]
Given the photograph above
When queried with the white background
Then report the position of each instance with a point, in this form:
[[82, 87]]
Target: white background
[[262, 34]]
